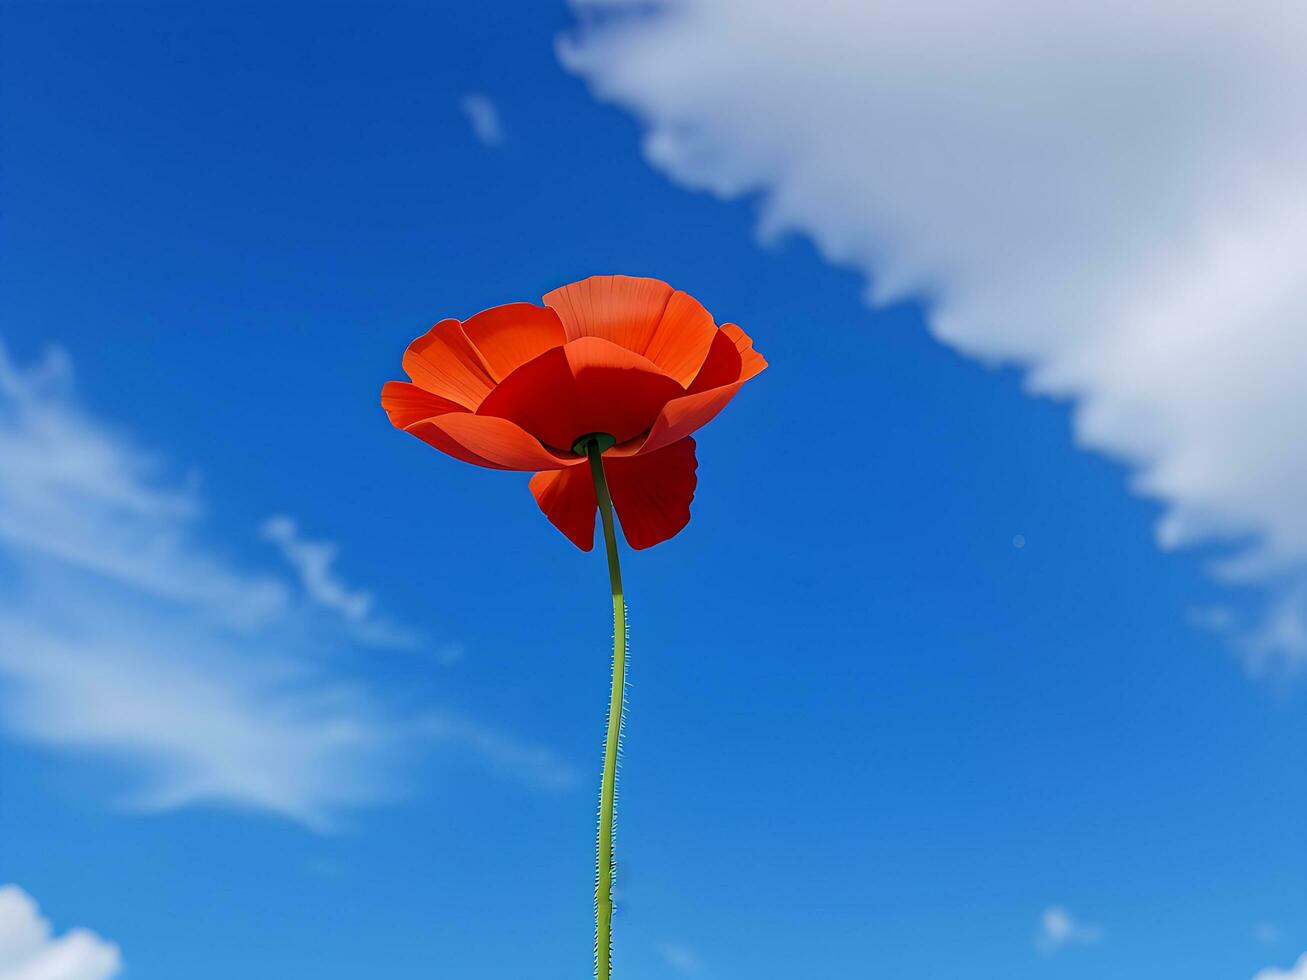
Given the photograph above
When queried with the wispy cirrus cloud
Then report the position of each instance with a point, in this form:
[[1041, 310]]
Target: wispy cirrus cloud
[[1112, 196], [314, 563], [74, 491], [29, 949], [126, 636]]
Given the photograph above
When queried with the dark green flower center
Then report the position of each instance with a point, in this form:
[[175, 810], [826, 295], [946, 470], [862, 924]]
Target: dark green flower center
[[602, 440]]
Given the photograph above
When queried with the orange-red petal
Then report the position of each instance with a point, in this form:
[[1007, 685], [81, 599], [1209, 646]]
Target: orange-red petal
[[722, 366], [731, 362], [683, 337], [508, 336], [618, 391], [751, 362], [652, 492], [567, 498], [681, 416], [444, 362], [621, 309], [407, 403], [488, 441], [646, 316], [437, 437], [590, 385]]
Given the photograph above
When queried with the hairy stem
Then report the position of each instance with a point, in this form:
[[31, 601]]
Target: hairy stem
[[608, 787]]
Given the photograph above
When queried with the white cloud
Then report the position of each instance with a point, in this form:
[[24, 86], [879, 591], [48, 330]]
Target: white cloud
[[1296, 972], [29, 949], [126, 637], [682, 959], [1111, 195], [483, 116], [1057, 928], [313, 561]]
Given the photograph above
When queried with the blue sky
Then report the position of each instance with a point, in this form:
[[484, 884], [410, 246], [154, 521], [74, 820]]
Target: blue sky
[[287, 694]]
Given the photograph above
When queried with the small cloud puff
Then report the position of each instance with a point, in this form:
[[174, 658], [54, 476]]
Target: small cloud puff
[[1296, 972], [483, 115], [1057, 928], [29, 949]]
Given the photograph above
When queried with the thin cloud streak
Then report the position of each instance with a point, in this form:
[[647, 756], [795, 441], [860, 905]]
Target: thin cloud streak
[[313, 562]]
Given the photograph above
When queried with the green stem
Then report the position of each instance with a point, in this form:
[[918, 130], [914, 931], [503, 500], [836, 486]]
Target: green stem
[[608, 787]]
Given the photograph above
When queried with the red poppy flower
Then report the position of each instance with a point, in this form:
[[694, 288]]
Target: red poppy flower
[[515, 387]]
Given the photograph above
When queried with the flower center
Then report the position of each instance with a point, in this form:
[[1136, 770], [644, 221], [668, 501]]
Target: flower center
[[602, 440]]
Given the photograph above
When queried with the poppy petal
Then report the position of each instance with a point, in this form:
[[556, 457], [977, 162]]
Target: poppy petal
[[488, 441], [407, 403], [721, 367], [539, 397], [618, 391], [621, 309], [711, 390], [683, 338], [509, 336], [646, 316], [752, 363], [652, 492], [444, 362], [432, 435], [590, 385], [567, 498], [681, 416]]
